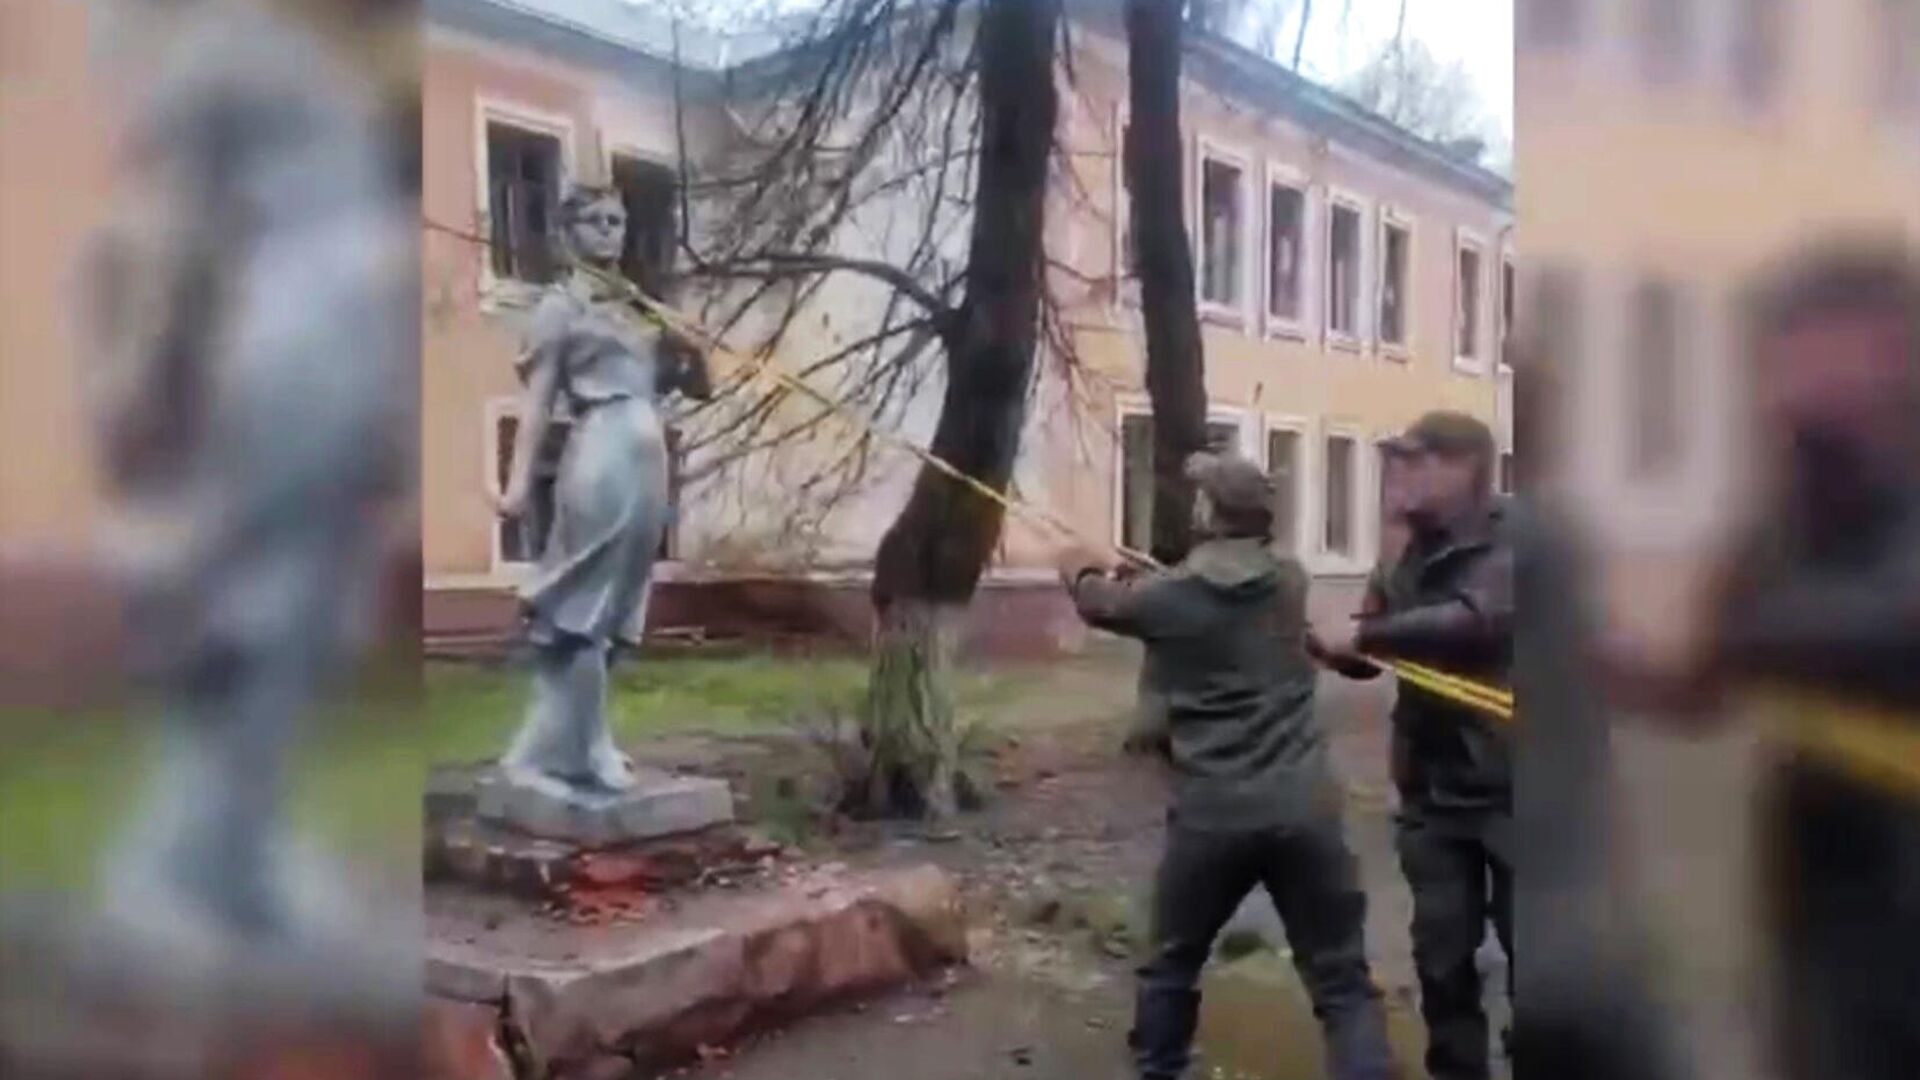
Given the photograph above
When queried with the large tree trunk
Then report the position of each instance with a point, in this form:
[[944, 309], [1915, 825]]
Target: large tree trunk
[[931, 559], [1155, 164]]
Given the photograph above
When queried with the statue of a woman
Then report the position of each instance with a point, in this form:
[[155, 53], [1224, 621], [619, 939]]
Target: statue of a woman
[[587, 354]]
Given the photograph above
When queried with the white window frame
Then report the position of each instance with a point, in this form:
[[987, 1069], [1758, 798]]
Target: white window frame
[[1306, 511], [1138, 405], [1283, 175], [1377, 489], [1354, 341], [497, 294], [1351, 560], [496, 409], [1391, 216], [1474, 363], [1209, 149]]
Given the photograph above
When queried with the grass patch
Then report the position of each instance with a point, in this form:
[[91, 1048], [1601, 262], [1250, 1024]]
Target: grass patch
[[66, 783]]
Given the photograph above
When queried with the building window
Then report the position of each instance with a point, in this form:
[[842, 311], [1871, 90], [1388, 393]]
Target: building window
[[1338, 536], [1223, 217], [649, 190], [1508, 297], [1286, 254], [522, 539], [1396, 257], [1343, 270], [1756, 59], [1136, 474], [1283, 465], [1551, 24], [1467, 293], [523, 197], [1653, 368], [1665, 39]]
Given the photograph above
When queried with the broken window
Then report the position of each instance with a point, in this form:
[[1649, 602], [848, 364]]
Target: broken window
[[1343, 270], [1222, 223], [650, 192], [523, 198], [1136, 474], [1286, 253], [1283, 465], [1338, 536], [1466, 290], [1654, 370], [1396, 246], [523, 538]]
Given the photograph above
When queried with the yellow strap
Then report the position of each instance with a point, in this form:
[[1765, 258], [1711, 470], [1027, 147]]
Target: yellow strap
[[1875, 746]]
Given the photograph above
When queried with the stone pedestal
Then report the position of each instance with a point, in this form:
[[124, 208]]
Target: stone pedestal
[[659, 805]]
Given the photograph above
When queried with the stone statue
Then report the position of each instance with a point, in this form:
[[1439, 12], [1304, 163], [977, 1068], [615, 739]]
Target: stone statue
[[254, 321], [589, 355]]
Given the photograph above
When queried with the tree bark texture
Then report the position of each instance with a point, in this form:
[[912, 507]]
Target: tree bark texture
[[931, 559], [1176, 367]]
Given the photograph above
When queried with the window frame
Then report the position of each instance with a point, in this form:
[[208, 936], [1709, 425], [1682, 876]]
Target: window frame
[[1475, 362], [1354, 340], [1350, 558], [1138, 405], [1209, 149], [1394, 217], [624, 148], [498, 408], [1279, 174], [1303, 485], [497, 293]]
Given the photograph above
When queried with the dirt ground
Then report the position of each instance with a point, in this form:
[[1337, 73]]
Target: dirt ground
[[1056, 871]]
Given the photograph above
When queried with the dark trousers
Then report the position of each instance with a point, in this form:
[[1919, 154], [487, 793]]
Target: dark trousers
[[1312, 879], [1461, 880], [1846, 911]]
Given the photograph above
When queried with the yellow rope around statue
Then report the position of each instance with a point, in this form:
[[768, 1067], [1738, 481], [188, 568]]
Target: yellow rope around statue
[[1876, 747]]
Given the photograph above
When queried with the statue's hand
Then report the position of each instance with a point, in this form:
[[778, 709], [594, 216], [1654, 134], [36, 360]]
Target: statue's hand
[[512, 504]]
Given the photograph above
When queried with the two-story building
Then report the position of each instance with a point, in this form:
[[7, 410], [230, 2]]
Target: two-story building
[[1350, 276]]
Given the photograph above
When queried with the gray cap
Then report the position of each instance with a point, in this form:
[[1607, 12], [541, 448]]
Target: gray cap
[[1447, 433], [1236, 485]]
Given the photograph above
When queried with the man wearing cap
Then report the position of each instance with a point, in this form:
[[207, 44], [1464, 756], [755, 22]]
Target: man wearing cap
[[1255, 799], [1446, 601], [1822, 594]]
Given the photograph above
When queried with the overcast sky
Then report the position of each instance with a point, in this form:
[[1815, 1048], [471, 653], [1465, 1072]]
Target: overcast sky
[[1344, 33], [1477, 33]]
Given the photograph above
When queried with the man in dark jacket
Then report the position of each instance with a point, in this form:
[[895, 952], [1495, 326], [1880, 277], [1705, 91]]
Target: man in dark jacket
[[1825, 596], [1447, 601], [1256, 801]]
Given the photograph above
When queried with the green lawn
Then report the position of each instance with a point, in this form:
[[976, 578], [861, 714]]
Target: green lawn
[[64, 783]]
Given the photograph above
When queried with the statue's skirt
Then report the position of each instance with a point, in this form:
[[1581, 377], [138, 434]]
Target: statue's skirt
[[610, 509]]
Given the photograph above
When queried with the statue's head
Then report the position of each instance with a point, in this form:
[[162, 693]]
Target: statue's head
[[593, 224]]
